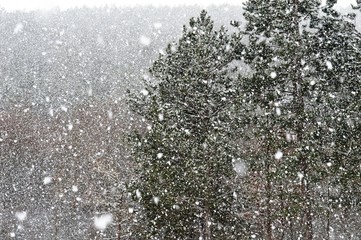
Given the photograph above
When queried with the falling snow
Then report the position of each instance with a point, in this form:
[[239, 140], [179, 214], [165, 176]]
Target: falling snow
[[19, 28], [103, 221], [157, 123], [21, 216], [273, 75], [47, 180], [329, 65], [278, 155], [240, 167], [145, 40]]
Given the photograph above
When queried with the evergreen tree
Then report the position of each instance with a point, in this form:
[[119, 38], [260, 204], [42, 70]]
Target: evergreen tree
[[336, 103], [186, 155], [304, 73]]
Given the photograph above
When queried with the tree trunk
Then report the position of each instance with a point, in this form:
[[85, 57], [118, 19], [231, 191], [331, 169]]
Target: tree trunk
[[268, 211], [268, 196], [206, 228], [300, 112]]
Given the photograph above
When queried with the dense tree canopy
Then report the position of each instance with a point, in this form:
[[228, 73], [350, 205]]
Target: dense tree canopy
[[291, 122], [186, 154]]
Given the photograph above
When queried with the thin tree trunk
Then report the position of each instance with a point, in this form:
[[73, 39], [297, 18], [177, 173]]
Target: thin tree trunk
[[328, 212], [308, 213], [268, 196], [300, 111], [207, 230], [268, 210], [292, 235], [119, 230]]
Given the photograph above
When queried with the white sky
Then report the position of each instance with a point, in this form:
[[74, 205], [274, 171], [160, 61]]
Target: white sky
[[63, 4], [11, 5]]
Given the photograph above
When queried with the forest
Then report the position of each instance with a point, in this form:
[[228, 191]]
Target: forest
[[181, 122]]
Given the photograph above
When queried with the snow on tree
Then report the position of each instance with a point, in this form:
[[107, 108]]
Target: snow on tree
[[304, 87], [186, 154]]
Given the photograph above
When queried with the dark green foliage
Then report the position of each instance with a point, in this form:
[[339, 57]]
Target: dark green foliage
[[186, 154], [306, 91], [294, 120]]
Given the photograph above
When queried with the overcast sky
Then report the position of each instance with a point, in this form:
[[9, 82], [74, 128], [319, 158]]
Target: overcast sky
[[63, 4]]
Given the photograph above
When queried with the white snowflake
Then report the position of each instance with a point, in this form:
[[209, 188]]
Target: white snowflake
[[156, 200], [47, 180], [278, 155], [157, 25], [300, 175], [64, 108], [145, 40], [329, 65], [144, 92], [240, 168], [51, 112], [138, 193], [21, 216], [18, 28], [103, 221], [110, 114], [278, 111], [273, 75]]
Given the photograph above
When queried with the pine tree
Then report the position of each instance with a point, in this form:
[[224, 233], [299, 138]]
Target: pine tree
[[336, 93], [300, 54], [185, 184]]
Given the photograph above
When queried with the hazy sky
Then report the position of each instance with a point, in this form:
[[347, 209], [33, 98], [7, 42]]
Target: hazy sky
[[63, 4]]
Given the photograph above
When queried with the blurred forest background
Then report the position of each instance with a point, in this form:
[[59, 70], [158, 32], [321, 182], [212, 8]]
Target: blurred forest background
[[63, 113]]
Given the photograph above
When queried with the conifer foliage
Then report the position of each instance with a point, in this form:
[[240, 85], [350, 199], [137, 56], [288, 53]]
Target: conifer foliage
[[306, 89], [186, 153], [293, 122]]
